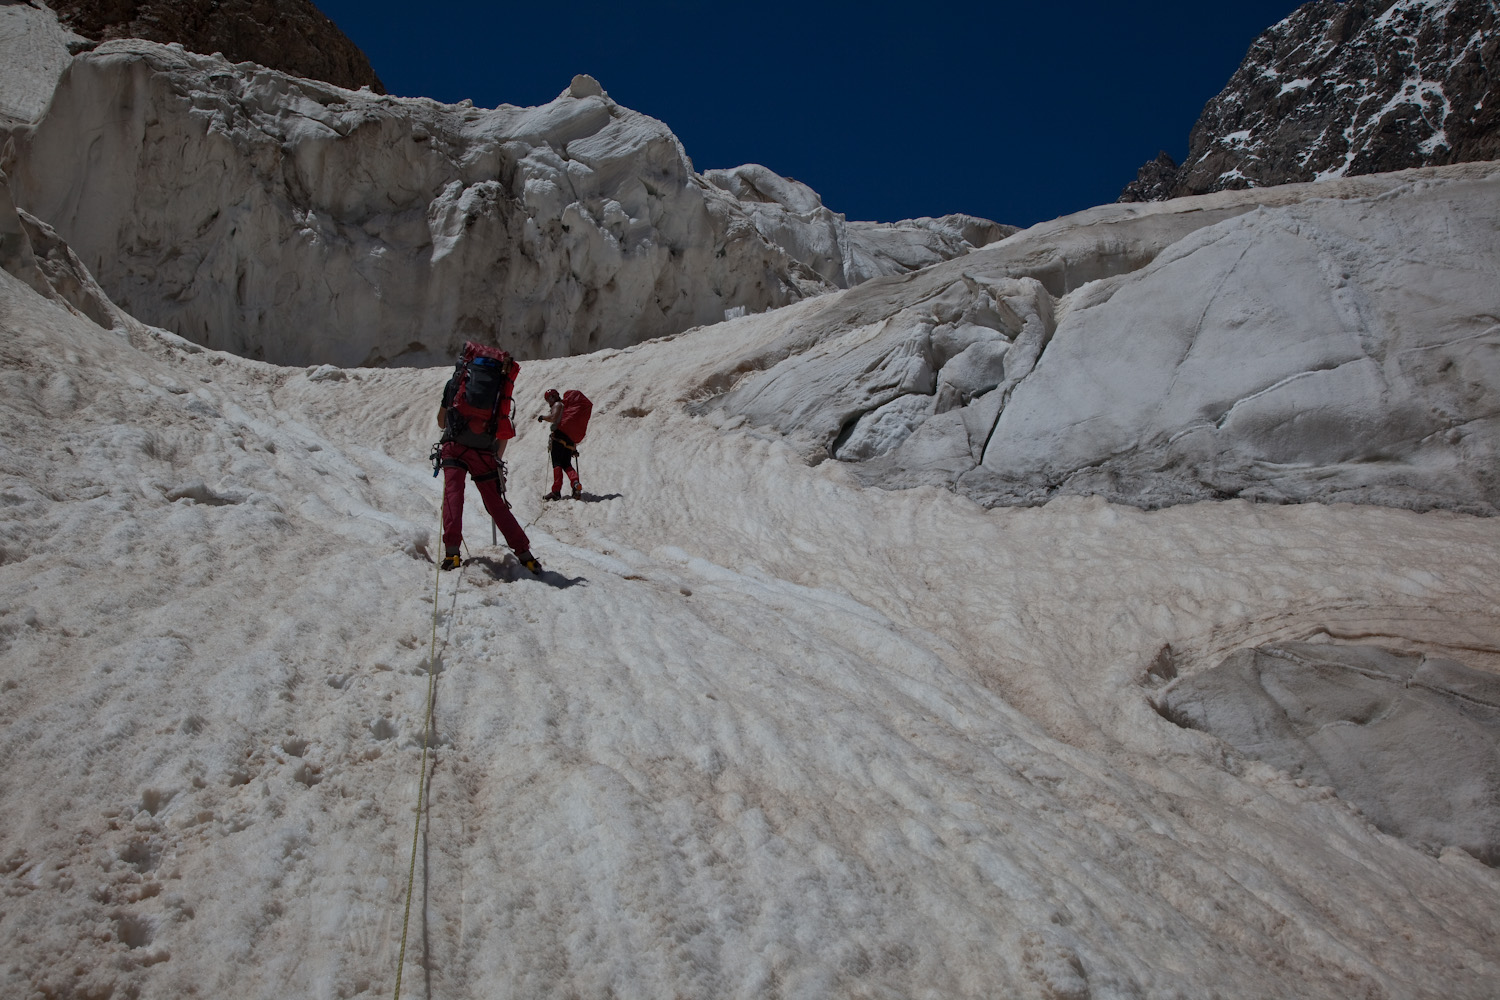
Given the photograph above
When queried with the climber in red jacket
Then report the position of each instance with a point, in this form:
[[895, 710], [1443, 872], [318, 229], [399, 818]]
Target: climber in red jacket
[[563, 446], [475, 418]]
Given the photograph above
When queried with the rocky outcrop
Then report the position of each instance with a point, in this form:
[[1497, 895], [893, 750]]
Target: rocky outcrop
[[1329, 342], [33, 252], [288, 35], [1412, 740], [300, 223], [1346, 88]]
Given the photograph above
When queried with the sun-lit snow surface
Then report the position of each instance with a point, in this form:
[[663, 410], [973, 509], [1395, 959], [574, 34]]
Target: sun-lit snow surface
[[756, 732]]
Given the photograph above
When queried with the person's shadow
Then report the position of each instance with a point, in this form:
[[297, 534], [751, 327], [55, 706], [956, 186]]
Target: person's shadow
[[587, 497], [510, 570]]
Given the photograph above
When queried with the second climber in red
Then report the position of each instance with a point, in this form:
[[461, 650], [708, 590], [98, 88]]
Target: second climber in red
[[563, 448]]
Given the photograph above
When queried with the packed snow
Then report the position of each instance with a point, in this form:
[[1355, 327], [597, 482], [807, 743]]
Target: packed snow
[[760, 728], [755, 731]]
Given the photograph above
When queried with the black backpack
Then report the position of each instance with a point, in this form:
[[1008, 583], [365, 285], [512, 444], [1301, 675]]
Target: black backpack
[[482, 382]]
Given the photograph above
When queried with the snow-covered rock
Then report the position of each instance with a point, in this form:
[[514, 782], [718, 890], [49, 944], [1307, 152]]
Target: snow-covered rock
[[1344, 88], [34, 51], [1413, 740], [791, 215], [1314, 342], [294, 221]]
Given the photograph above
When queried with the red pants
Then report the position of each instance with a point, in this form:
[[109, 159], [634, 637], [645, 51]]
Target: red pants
[[458, 462], [562, 460]]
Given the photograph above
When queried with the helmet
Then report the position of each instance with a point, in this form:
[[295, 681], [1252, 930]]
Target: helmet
[[552, 395]]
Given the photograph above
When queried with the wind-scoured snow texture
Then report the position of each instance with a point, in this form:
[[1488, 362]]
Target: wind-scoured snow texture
[[1285, 347], [1346, 87], [295, 222], [791, 215], [756, 732], [1412, 740]]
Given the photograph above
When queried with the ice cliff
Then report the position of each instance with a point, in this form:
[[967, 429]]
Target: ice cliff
[[297, 222], [34, 50], [1328, 342]]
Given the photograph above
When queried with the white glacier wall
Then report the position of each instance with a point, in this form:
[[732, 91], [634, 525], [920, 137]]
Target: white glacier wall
[[1331, 349], [1328, 342], [292, 221], [791, 215]]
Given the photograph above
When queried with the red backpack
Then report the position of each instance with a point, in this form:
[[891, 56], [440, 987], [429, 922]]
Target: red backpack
[[479, 411], [575, 415]]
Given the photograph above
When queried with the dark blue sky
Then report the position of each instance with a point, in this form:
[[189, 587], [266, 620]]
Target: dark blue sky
[[1016, 112]]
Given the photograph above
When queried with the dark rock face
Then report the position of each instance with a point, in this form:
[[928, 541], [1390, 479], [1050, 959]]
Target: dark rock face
[[1412, 740], [1345, 88], [288, 35], [1154, 181]]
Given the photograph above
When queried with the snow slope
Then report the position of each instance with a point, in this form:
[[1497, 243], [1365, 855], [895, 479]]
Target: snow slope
[[756, 732]]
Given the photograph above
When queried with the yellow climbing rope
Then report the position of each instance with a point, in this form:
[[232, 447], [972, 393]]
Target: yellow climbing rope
[[411, 873]]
